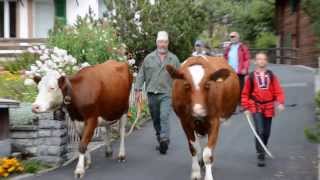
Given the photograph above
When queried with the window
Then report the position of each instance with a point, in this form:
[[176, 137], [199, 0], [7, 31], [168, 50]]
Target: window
[[294, 5], [60, 10], [1, 19], [13, 17]]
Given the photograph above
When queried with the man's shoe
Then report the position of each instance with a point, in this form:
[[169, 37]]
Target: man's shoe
[[163, 147], [261, 160]]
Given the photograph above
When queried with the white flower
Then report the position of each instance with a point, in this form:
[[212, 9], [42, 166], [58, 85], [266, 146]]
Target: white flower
[[131, 62], [75, 68], [44, 57], [84, 65], [135, 74], [35, 48], [42, 46], [38, 63], [33, 68], [29, 82], [30, 50]]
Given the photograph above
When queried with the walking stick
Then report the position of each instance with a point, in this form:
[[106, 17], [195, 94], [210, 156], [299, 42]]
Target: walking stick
[[139, 109], [248, 117]]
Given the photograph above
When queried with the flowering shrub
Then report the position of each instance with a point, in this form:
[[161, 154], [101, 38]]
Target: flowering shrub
[[9, 166], [52, 59], [88, 40]]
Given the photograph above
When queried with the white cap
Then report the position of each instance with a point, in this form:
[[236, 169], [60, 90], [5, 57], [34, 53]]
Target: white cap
[[162, 35]]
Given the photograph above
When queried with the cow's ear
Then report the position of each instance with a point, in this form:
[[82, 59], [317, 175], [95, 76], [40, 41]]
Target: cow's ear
[[220, 75], [36, 79], [61, 82], [174, 73]]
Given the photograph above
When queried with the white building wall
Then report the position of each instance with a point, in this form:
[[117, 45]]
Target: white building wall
[[74, 10], [23, 16]]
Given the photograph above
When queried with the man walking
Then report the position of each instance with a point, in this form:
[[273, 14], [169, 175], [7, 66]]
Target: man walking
[[238, 57], [158, 86]]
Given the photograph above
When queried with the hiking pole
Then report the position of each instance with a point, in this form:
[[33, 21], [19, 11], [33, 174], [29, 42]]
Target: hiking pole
[[248, 117]]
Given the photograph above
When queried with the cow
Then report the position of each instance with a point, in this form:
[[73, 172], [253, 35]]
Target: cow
[[92, 97], [205, 92]]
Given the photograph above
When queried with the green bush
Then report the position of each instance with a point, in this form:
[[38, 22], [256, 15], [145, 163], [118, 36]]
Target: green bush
[[266, 40], [138, 25], [22, 62], [88, 40], [313, 134], [12, 87], [34, 166]]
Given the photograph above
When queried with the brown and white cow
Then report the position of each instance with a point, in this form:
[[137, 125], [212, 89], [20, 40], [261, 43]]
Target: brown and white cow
[[205, 91], [93, 96]]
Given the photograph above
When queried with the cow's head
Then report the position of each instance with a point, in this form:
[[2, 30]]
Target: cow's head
[[196, 83], [49, 96]]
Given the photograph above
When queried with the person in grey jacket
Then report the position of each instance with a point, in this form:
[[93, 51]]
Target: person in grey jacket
[[158, 86]]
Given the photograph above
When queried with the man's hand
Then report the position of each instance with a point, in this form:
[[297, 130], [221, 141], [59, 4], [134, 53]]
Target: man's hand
[[281, 107], [247, 112], [138, 96]]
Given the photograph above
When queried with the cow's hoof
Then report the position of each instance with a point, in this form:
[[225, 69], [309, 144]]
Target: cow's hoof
[[208, 178], [108, 154], [196, 176], [79, 173], [122, 158]]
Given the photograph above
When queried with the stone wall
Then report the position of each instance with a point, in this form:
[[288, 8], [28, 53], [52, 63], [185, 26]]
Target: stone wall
[[46, 140]]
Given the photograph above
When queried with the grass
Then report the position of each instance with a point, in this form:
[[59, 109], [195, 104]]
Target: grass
[[34, 166]]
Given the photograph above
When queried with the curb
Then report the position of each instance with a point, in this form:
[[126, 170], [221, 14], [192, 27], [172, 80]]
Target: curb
[[19, 177], [314, 70]]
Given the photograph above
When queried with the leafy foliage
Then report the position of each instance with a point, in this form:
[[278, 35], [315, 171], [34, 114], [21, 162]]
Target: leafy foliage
[[313, 134], [88, 40], [266, 40], [12, 87], [21, 63], [138, 22], [312, 8]]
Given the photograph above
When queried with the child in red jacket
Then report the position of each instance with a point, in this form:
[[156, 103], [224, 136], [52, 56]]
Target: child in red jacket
[[261, 92]]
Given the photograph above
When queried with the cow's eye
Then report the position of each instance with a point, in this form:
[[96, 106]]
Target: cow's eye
[[186, 85], [52, 88]]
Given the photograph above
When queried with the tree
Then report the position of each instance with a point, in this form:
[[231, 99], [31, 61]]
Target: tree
[[253, 19], [138, 21], [312, 8]]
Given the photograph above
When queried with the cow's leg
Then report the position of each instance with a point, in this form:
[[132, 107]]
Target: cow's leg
[[79, 126], [90, 125], [196, 152], [87, 160], [122, 150], [107, 141], [194, 147], [207, 152]]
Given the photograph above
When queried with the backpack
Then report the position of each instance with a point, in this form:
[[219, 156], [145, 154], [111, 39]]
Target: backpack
[[251, 80]]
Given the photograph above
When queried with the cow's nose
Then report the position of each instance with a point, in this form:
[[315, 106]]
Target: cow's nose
[[199, 111], [35, 108]]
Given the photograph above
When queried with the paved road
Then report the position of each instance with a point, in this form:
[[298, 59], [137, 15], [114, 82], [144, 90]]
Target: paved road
[[296, 159]]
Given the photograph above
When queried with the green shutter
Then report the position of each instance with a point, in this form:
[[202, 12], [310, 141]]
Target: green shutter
[[1, 19], [60, 10]]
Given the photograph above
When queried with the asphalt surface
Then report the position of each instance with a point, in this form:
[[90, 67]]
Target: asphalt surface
[[235, 158]]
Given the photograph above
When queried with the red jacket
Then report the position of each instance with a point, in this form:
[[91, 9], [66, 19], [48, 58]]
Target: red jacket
[[243, 56], [263, 90]]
